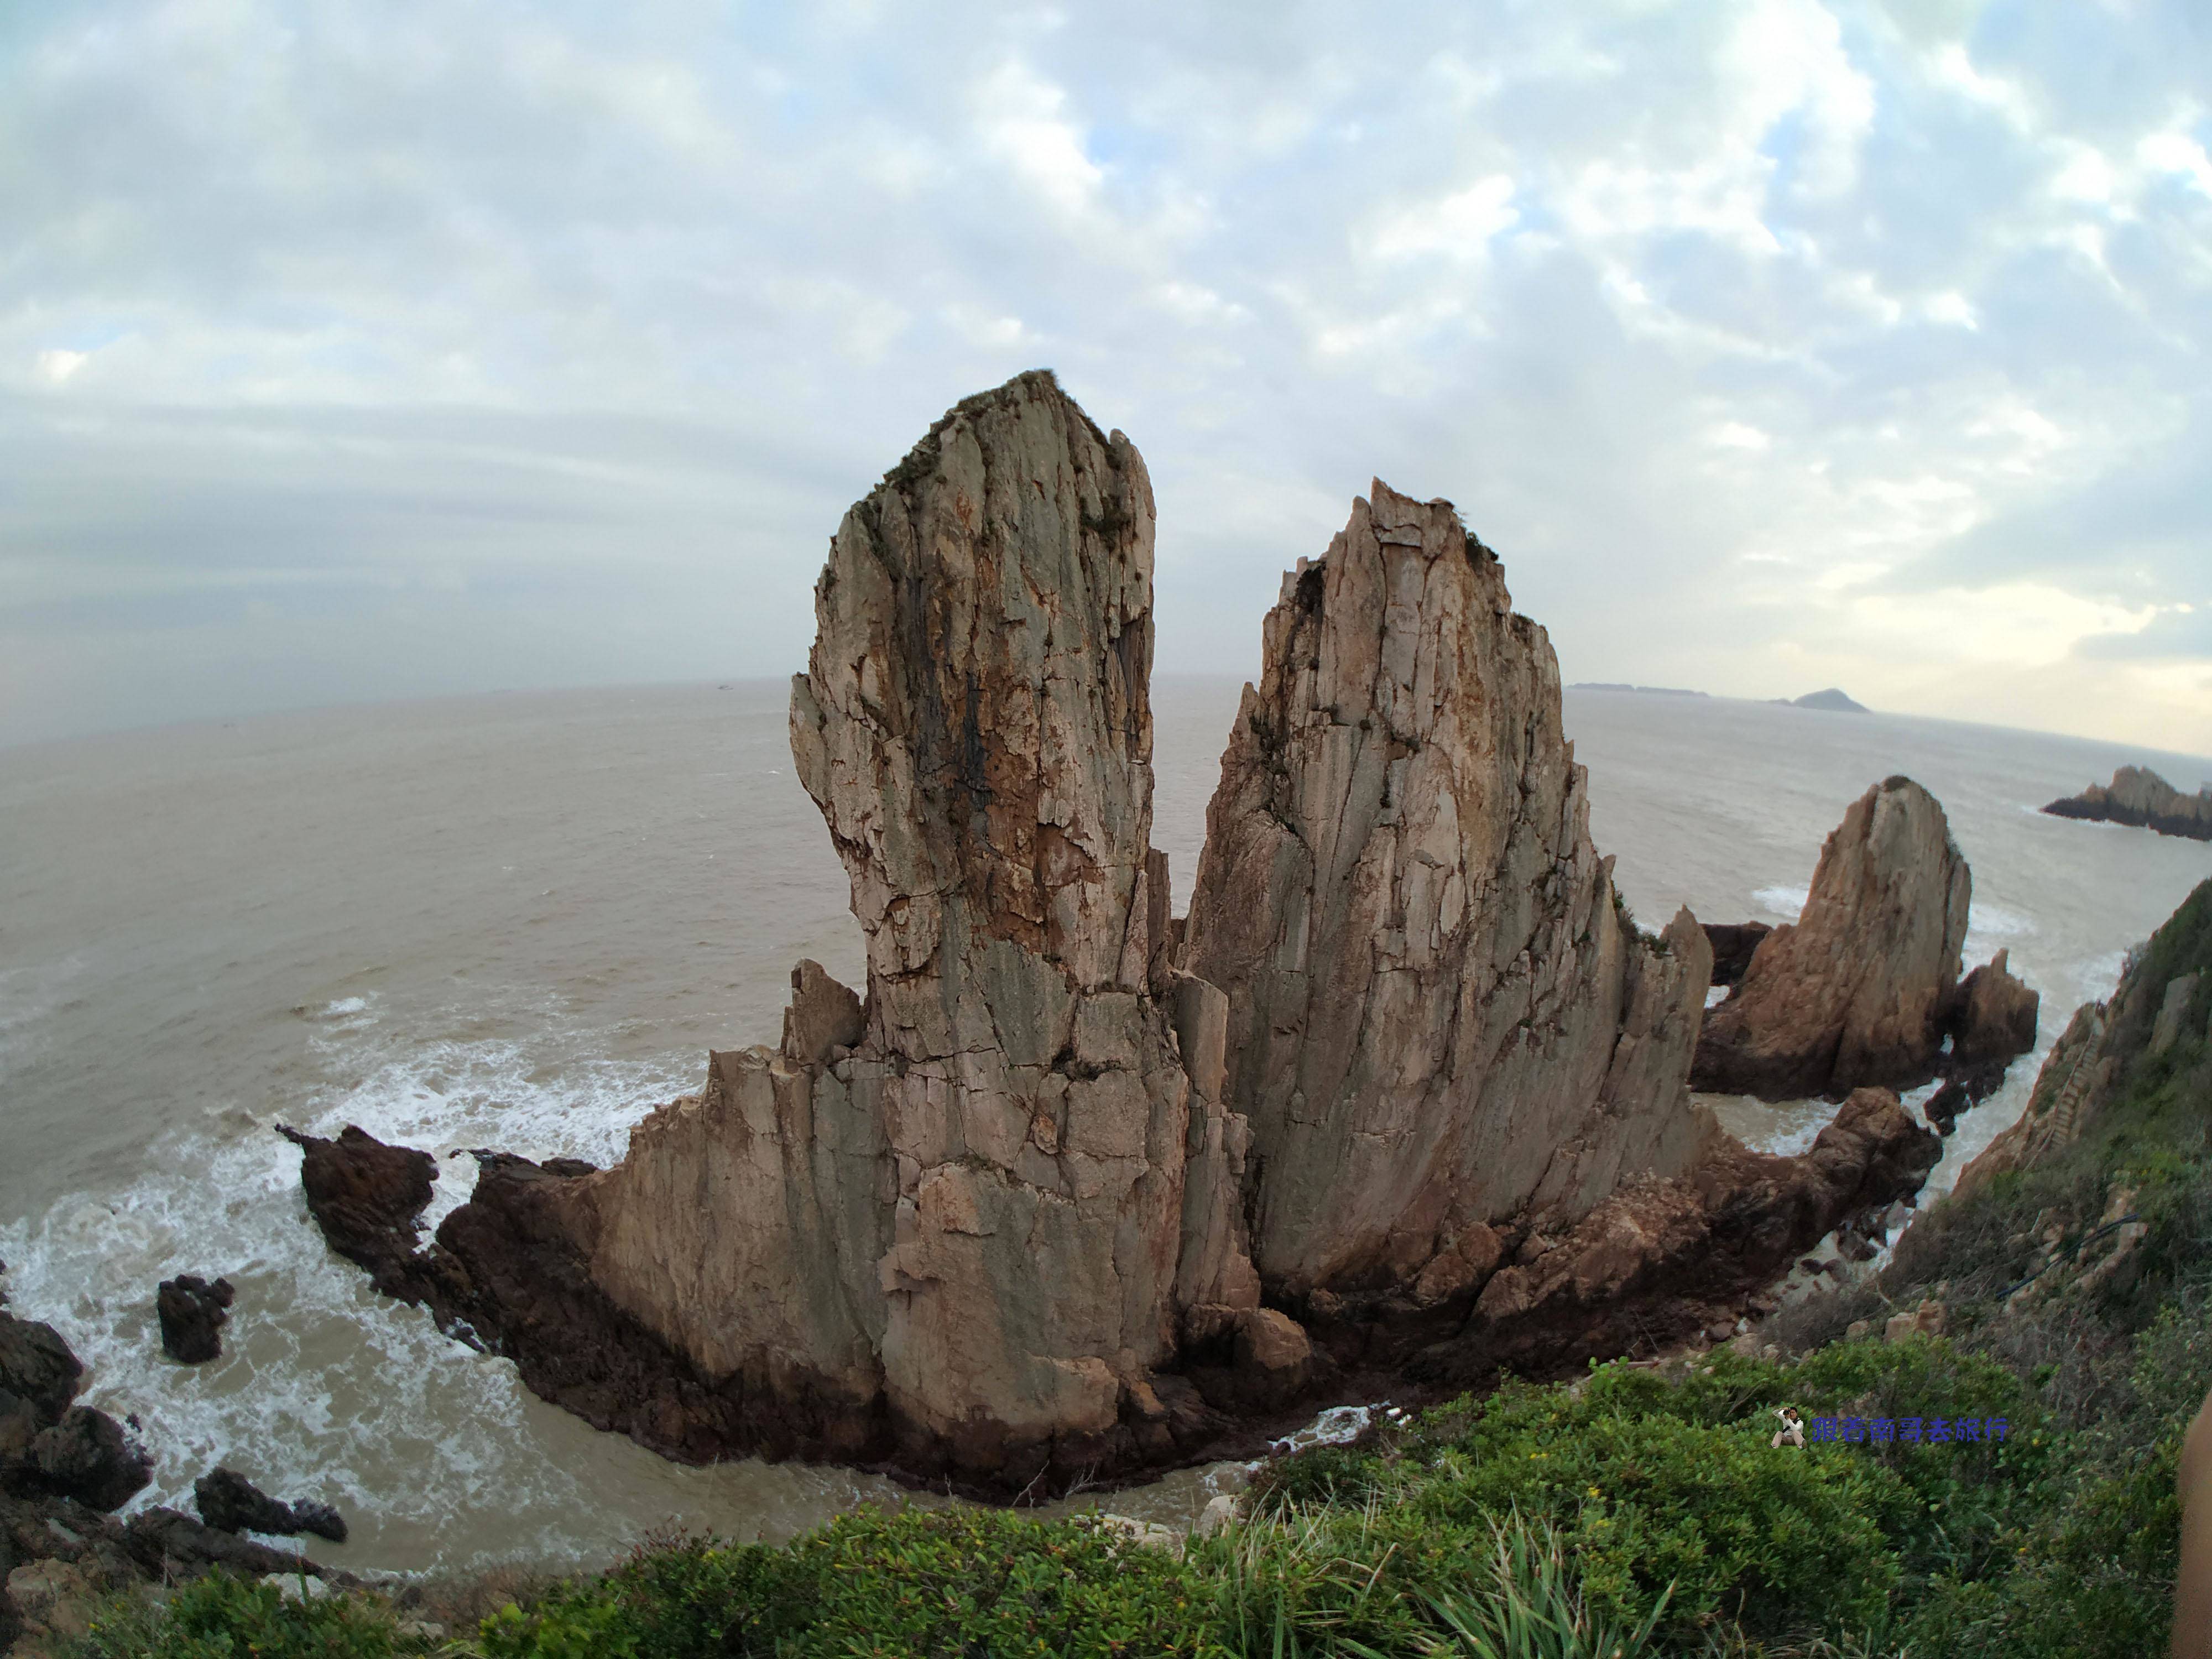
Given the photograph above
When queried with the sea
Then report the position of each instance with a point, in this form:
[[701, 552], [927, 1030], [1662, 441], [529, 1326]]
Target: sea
[[521, 920]]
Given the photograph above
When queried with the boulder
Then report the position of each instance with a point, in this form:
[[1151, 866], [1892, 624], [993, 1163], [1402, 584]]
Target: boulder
[[1992, 1017], [1857, 990], [1439, 1014], [38, 1374], [87, 1456], [192, 1313], [366, 1196], [168, 1545], [227, 1500]]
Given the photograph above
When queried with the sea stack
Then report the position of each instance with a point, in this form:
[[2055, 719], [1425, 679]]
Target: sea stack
[[1864, 987], [1440, 1017], [984, 1221]]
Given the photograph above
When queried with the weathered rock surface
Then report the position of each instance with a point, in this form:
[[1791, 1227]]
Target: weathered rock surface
[[961, 1224], [2140, 796], [1660, 1260], [1439, 1016], [1993, 1015], [192, 1313], [85, 1455], [366, 1197], [49, 1447], [2159, 1005], [38, 1374], [228, 1501], [1733, 943], [1864, 987], [1003, 1221]]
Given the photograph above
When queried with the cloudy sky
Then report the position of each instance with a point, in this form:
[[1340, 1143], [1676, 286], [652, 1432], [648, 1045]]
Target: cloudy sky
[[364, 348]]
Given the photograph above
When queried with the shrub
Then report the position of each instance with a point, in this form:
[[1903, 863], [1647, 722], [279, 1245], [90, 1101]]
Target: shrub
[[220, 1617], [910, 1581]]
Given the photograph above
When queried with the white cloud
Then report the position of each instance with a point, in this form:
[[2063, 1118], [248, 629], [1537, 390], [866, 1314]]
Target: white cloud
[[1459, 226], [58, 365], [1951, 307], [2021, 625], [1018, 113], [2178, 154]]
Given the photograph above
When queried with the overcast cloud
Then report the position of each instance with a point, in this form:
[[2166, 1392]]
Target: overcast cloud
[[354, 350]]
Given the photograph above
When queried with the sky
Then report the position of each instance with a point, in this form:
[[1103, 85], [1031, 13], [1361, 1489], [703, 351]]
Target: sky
[[355, 350]]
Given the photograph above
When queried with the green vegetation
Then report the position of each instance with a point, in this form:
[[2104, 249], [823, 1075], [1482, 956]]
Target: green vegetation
[[1634, 1512]]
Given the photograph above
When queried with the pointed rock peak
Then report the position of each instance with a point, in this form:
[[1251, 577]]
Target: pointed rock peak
[[1439, 1018], [1858, 991]]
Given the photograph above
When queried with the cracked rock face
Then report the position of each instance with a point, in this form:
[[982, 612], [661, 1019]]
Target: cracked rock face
[[1859, 989], [982, 1203], [1439, 1016]]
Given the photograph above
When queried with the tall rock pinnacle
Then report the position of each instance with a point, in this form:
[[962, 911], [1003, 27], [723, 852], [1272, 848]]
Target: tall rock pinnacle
[[1439, 1016], [988, 1222]]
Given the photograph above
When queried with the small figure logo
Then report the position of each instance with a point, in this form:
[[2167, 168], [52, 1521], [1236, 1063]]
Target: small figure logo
[[1792, 1429]]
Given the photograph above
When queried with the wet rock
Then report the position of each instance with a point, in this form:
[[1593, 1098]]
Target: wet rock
[[1439, 1015], [192, 1313], [169, 1545], [87, 1456], [2141, 798], [1733, 943], [1220, 1511], [366, 1196], [1858, 991], [1992, 1015], [38, 1374], [227, 1500]]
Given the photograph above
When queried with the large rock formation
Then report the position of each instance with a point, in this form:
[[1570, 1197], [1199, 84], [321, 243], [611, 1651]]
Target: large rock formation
[[1864, 987], [960, 1223], [2140, 796], [986, 1224], [1439, 1015]]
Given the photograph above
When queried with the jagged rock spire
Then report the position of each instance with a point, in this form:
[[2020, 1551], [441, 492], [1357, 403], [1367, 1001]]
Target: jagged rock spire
[[1440, 1017]]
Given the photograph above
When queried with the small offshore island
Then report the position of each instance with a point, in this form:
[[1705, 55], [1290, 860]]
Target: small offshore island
[[1074, 1190], [2141, 798]]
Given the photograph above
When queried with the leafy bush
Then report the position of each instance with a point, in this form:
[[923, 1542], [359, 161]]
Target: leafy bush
[[873, 1582], [220, 1617]]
